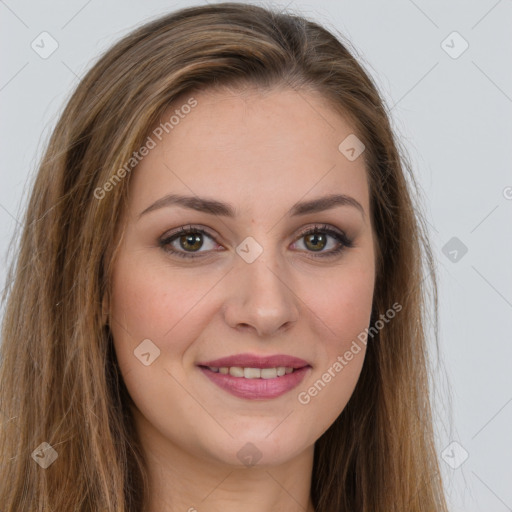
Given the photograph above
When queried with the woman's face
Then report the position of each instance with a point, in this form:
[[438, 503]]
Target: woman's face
[[253, 171]]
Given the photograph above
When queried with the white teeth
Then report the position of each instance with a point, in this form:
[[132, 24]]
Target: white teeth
[[268, 373], [236, 371], [252, 373]]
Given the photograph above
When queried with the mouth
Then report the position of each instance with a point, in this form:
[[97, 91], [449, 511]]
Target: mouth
[[254, 377]]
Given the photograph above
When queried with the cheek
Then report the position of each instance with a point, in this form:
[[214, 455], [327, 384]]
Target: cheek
[[348, 310], [342, 308], [343, 301], [148, 305], [148, 301]]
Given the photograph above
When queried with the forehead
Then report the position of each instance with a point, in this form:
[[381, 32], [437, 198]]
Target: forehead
[[250, 146]]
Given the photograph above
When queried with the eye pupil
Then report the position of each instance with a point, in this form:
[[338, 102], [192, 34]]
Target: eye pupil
[[193, 239], [315, 237]]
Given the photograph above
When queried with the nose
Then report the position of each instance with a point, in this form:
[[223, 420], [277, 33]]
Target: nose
[[261, 297]]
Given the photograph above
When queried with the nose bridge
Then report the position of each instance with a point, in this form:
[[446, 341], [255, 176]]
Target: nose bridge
[[261, 296]]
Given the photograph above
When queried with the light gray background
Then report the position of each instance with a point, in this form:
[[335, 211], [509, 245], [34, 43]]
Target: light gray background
[[454, 117]]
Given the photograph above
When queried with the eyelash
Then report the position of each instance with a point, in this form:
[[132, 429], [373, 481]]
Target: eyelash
[[166, 240]]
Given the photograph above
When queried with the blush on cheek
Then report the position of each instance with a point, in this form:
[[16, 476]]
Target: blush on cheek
[[345, 309], [147, 301]]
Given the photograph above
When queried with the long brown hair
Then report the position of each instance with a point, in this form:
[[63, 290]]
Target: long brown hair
[[59, 378]]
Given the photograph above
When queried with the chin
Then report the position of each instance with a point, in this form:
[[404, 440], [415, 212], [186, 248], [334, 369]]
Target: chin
[[259, 448]]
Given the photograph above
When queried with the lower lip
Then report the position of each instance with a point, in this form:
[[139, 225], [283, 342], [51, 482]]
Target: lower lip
[[257, 389]]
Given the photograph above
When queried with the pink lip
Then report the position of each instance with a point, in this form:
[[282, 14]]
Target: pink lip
[[254, 361], [257, 389]]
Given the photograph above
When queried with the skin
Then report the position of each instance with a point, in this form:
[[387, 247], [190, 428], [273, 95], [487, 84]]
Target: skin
[[261, 152]]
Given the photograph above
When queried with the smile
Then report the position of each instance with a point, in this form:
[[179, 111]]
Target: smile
[[255, 377]]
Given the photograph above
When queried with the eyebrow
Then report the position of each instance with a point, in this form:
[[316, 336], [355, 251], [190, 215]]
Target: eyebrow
[[214, 207]]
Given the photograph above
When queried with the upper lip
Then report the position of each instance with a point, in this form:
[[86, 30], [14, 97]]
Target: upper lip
[[255, 361]]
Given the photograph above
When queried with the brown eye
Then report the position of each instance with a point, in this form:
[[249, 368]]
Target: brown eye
[[187, 242], [315, 241], [191, 242]]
